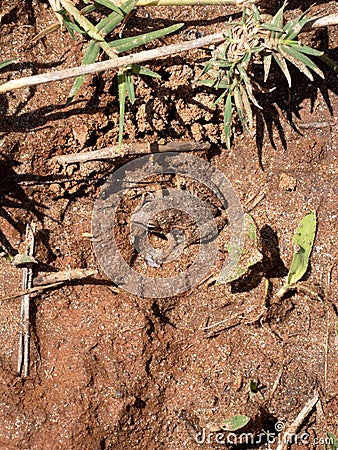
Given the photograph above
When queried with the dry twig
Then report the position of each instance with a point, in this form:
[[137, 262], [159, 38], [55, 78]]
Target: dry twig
[[113, 152], [146, 55], [27, 281]]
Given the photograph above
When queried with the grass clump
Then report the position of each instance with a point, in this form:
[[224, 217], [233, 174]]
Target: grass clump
[[257, 40]]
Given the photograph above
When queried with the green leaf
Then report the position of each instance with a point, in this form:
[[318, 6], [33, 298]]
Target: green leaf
[[283, 66], [130, 87], [6, 63], [105, 26], [299, 56], [300, 66], [247, 106], [21, 259], [211, 83], [303, 241], [239, 106], [122, 89], [140, 70], [90, 56], [249, 254], [277, 21], [227, 119], [125, 44], [248, 85], [331, 441], [303, 48], [110, 5], [271, 27], [329, 62], [235, 423]]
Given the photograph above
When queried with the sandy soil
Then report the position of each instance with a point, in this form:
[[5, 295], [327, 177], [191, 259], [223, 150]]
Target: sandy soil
[[112, 370]]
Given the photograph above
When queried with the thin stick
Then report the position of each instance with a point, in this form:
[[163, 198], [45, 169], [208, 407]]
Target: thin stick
[[111, 64], [56, 279], [326, 21], [146, 55], [113, 152], [27, 282], [296, 424]]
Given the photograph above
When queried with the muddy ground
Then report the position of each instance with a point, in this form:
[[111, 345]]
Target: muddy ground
[[112, 370]]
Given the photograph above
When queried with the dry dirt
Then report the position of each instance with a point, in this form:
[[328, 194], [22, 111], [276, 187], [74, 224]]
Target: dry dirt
[[112, 371]]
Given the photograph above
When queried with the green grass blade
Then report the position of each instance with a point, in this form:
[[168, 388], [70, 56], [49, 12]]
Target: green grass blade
[[109, 23], [293, 28], [130, 87], [283, 67], [300, 66], [303, 242], [277, 21], [329, 62], [122, 90], [227, 119], [82, 21], [271, 27], [212, 84], [303, 48], [248, 85], [247, 106], [123, 45], [140, 70], [90, 56], [240, 107], [6, 63], [299, 56], [110, 5]]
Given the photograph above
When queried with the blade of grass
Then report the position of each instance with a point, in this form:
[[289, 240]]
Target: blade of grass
[[280, 60], [6, 63], [227, 119], [105, 26], [123, 45], [294, 53], [122, 90], [300, 66], [130, 86], [247, 106], [240, 107], [140, 70], [110, 5]]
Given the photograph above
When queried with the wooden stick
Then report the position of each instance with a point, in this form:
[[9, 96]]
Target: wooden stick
[[113, 152], [111, 64], [293, 428], [27, 282], [50, 281], [146, 55]]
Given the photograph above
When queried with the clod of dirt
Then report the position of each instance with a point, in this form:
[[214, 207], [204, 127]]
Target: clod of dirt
[[287, 182]]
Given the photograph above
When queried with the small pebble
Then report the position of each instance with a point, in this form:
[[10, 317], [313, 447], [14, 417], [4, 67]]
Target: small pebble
[[287, 182]]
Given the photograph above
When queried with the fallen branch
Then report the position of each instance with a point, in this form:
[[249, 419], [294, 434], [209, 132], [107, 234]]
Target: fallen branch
[[113, 152], [146, 55]]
